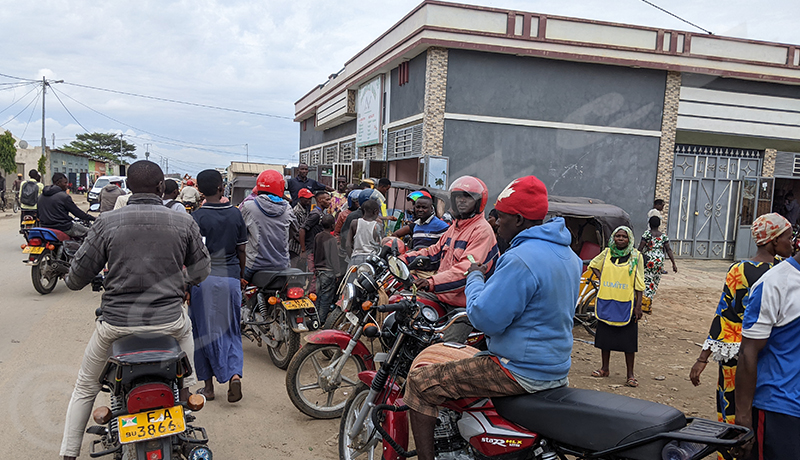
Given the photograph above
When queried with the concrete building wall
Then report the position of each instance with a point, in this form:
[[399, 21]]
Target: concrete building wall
[[311, 136], [408, 100]]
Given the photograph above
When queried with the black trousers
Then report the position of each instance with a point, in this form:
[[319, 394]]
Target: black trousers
[[777, 436]]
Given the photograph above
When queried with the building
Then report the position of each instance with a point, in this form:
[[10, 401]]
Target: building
[[241, 178], [622, 113]]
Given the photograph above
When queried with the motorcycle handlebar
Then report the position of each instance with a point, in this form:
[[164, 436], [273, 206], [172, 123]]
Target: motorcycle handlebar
[[388, 308]]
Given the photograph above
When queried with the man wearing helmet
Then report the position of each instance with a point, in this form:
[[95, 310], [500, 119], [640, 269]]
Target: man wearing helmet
[[470, 238], [267, 218], [189, 195], [525, 309]]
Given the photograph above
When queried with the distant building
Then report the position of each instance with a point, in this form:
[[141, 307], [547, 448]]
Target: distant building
[[622, 113]]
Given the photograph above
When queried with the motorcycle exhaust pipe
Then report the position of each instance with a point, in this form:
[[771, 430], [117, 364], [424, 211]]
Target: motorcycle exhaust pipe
[[61, 267]]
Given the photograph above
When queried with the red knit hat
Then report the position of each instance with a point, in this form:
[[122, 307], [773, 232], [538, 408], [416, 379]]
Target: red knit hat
[[305, 193], [526, 196]]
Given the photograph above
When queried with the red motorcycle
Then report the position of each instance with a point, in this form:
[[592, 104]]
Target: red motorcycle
[[543, 426]]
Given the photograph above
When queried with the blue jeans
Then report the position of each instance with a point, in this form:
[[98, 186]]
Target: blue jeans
[[326, 291]]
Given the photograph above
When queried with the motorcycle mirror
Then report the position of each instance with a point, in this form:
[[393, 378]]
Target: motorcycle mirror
[[95, 207]]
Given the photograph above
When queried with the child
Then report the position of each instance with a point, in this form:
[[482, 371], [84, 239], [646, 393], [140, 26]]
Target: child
[[327, 266], [365, 237]]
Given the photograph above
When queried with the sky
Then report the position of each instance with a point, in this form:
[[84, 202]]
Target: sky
[[249, 56]]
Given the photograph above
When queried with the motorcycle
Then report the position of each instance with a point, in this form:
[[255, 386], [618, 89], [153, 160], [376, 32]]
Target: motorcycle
[[546, 425], [49, 252], [321, 375], [146, 419], [276, 309]]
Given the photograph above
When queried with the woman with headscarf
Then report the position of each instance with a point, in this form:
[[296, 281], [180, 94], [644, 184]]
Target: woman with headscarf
[[772, 234], [619, 301], [655, 248]]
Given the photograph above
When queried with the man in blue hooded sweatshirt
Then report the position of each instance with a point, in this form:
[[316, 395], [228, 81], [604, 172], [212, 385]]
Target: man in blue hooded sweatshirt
[[525, 309]]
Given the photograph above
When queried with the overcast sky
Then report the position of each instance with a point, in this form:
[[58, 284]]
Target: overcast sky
[[256, 56]]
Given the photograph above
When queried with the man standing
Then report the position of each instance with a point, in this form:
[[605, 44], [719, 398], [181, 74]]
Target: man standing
[[3, 189], [146, 247], [29, 192], [529, 333], [301, 210], [302, 181], [55, 206], [792, 208], [170, 197], [268, 218], [768, 375], [311, 227], [108, 196]]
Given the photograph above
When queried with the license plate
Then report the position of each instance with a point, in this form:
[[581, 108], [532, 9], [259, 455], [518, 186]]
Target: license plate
[[151, 424], [298, 304], [352, 318], [33, 250]]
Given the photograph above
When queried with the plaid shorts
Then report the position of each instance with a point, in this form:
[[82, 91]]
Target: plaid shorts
[[478, 377]]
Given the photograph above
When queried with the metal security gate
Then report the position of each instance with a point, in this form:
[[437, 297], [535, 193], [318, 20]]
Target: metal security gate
[[705, 199]]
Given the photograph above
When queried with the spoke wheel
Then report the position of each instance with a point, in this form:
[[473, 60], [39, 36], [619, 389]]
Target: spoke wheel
[[289, 341], [312, 387], [44, 280], [585, 315], [366, 445]]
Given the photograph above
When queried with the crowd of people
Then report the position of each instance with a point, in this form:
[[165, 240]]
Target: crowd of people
[[515, 254]]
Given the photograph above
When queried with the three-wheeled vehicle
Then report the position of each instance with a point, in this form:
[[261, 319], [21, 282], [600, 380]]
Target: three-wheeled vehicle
[[591, 223], [240, 187]]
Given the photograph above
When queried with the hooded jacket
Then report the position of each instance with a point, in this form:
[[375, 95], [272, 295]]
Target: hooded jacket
[[108, 196], [54, 209], [526, 307], [473, 236], [268, 233]]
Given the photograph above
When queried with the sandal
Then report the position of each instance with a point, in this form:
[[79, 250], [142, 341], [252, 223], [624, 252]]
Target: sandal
[[599, 373], [632, 382], [202, 391], [235, 390]]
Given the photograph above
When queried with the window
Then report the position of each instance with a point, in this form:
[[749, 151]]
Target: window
[[348, 152], [796, 168], [402, 73], [329, 157], [315, 157]]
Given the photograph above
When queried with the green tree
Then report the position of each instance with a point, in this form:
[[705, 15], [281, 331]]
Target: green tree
[[8, 153], [102, 145], [42, 166]]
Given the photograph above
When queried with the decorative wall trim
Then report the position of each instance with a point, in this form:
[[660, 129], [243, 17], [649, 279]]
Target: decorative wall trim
[[551, 124], [666, 154], [435, 94]]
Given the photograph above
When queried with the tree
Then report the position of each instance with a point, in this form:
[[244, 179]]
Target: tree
[[42, 166], [102, 145], [8, 153]]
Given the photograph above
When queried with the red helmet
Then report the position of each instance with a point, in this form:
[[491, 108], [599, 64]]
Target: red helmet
[[472, 187], [190, 183], [270, 181]]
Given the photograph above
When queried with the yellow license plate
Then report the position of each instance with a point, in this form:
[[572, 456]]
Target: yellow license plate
[[33, 250], [151, 424], [298, 304]]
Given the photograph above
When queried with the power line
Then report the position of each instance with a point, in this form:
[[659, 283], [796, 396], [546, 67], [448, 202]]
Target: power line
[[678, 17], [30, 117], [181, 102], [23, 97], [70, 113], [25, 108], [18, 78]]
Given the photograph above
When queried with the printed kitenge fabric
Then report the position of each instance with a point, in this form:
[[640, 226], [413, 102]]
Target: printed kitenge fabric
[[654, 250], [725, 334]]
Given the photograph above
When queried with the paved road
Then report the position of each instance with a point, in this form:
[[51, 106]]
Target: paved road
[[42, 339]]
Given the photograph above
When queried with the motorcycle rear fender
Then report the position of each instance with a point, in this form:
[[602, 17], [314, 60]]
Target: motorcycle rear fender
[[291, 318], [341, 340]]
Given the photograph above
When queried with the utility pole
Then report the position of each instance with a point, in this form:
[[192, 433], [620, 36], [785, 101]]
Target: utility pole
[[44, 139], [247, 151], [167, 165], [147, 151]]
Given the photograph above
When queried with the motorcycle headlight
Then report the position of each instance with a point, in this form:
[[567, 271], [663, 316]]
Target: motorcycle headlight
[[366, 269], [348, 296], [367, 283]]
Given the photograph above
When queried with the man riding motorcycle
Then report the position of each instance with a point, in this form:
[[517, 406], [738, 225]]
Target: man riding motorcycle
[[55, 206], [525, 310], [469, 239], [146, 246]]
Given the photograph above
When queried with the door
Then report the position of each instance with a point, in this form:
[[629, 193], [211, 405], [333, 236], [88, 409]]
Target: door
[[756, 200]]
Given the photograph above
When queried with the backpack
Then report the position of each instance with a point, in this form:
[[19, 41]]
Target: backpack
[[30, 193], [171, 203]]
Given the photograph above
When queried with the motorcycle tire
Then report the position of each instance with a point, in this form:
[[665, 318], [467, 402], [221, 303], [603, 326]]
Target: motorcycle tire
[[16, 207], [349, 446], [304, 389], [43, 285], [585, 315], [335, 319], [282, 355]]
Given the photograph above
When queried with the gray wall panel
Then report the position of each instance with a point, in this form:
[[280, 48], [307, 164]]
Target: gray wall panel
[[408, 100], [618, 169], [762, 88], [311, 136], [545, 89]]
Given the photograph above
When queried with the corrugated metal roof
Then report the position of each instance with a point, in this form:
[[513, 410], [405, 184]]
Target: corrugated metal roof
[[241, 167]]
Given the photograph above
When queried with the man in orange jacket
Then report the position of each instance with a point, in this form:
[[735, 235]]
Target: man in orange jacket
[[470, 239]]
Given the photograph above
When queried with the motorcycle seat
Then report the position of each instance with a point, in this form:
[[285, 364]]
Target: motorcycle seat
[[48, 234], [592, 420], [275, 279], [138, 349]]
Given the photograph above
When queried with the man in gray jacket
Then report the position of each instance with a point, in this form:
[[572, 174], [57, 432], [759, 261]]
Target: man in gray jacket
[[267, 218], [146, 245]]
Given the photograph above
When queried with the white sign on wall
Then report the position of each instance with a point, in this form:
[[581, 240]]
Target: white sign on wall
[[370, 108]]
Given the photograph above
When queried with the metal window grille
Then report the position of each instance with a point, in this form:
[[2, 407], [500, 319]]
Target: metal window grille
[[316, 155], [796, 168], [718, 151], [330, 155], [402, 142], [406, 142], [304, 157], [348, 152], [371, 152]]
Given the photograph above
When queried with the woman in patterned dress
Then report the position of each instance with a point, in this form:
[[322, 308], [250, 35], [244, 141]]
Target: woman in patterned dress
[[654, 246], [773, 236]]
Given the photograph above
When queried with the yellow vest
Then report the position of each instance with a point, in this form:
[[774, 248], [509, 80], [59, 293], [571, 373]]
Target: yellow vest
[[615, 297]]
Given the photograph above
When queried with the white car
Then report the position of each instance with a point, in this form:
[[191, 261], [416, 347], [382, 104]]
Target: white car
[[101, 182]]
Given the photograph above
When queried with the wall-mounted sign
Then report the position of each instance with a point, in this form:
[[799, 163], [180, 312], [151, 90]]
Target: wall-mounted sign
[[370, 108]]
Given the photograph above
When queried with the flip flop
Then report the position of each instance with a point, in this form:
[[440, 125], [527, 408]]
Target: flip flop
[[235, 390], [632, 382], [599, 373], [208, 397]]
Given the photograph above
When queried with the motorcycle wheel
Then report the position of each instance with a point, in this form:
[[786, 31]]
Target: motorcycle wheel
[[282, 355], [585, 315], [367, 443], [16, 207], [304, 380], [335, 319], [42, 284]]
